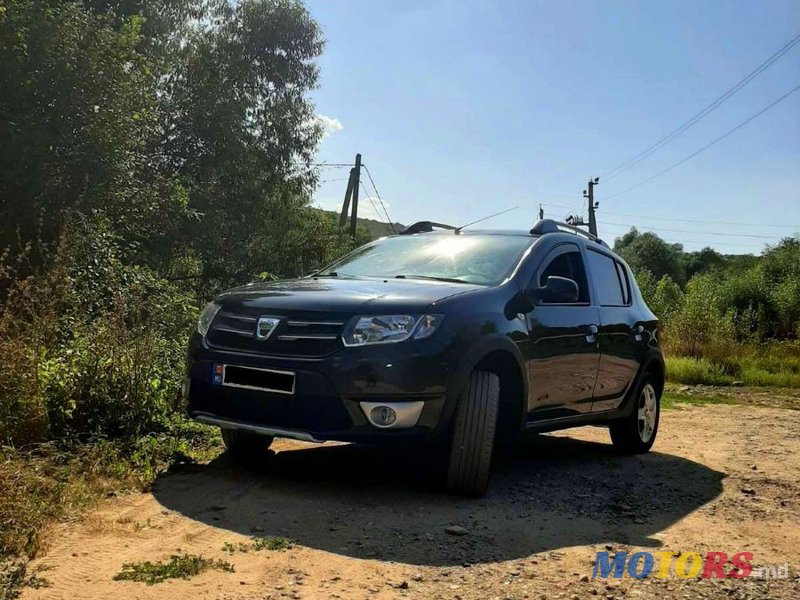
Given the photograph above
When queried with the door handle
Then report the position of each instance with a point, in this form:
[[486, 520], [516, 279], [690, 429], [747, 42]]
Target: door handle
[[591, 336]]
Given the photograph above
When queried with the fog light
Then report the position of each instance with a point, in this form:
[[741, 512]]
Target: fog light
[[383, 416]]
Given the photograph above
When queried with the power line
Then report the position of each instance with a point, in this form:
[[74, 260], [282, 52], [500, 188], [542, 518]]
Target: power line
[[708, 109], [701, 221], [322, 164], [374, 187], [707, 146], [371, 201], [737, 235]]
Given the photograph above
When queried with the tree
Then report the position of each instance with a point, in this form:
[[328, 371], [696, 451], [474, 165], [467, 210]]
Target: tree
[[185, 124], [648, 251], [703, 261], [78, 120]]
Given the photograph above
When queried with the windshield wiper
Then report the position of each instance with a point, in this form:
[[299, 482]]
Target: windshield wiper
[[446, 279]]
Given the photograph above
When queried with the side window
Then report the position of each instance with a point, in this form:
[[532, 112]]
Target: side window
[[569, 265], [610, 280]]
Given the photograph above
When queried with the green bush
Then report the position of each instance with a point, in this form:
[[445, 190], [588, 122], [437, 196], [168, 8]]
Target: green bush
[[91, 346]]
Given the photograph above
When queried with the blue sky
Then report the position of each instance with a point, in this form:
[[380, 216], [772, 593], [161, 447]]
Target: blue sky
[[461, 109]]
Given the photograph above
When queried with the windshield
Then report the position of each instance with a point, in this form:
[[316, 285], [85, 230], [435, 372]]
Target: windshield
[[479, 259]]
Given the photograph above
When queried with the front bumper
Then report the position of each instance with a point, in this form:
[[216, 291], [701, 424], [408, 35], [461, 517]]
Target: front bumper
[[329, 392]]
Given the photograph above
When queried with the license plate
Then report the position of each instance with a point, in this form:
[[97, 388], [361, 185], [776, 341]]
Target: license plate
[[252, 378]]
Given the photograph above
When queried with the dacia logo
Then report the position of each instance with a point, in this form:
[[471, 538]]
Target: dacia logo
[[265, 327]]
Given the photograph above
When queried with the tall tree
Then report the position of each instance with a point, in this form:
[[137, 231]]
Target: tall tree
[[650, 252]]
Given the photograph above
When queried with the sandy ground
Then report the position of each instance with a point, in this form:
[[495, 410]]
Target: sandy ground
[[368, 524]]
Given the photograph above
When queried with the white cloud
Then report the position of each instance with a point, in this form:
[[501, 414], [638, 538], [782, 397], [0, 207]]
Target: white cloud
[[371, 210], [329, 124]]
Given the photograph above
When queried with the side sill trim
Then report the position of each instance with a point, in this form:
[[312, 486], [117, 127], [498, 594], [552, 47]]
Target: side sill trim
[[294, 434]]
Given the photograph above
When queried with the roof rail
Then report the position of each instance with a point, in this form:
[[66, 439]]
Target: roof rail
[[424, 227], [543, 226]]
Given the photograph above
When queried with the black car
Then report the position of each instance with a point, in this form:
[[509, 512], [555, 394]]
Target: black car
[[456, 338]]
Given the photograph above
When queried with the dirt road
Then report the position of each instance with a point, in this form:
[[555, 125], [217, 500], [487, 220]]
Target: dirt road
[[371, 525]]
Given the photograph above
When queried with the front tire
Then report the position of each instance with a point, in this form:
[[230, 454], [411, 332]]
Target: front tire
[[473, 435], [636, 433], [245, 445]]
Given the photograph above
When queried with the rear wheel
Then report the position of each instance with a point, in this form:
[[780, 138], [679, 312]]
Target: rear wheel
[[636, 433], [473, 435], [245, 445]]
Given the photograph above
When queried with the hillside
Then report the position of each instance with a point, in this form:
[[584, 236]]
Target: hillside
[[375, 228]]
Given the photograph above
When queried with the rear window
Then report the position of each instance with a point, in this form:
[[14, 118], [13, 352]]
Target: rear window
[[609, 279]]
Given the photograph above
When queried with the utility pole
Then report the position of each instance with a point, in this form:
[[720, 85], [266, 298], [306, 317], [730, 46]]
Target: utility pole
[[356, 184], [589, 195], [346, 203], [353, 185]]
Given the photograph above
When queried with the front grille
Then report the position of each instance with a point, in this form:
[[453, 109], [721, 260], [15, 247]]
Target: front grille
[[303, 334]]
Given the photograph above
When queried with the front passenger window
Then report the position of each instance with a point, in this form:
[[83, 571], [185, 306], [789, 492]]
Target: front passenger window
[[569, 265]]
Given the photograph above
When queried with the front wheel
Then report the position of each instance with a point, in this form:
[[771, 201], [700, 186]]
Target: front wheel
[[636, 433], [473, 435], [245, 445]]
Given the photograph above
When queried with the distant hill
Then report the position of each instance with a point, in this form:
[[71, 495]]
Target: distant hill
[[379, 228], [376, 228]]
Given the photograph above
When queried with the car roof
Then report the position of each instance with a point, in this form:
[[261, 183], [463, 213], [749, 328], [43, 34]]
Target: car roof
[[520, 232], [510, 232]]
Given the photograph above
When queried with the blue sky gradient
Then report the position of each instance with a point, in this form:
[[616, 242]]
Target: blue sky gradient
[[461, 109]]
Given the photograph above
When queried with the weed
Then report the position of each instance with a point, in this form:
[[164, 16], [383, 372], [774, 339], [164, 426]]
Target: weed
[[179, 566], [14, 576], [272, 542], [231, 548]]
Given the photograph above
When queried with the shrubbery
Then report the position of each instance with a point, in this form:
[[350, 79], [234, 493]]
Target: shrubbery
[[151, 153], [733, 321]]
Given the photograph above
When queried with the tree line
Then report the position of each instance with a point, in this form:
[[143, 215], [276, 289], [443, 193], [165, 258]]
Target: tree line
[[710, 303]]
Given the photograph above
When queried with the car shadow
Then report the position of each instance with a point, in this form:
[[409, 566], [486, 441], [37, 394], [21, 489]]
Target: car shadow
[[547, 493]]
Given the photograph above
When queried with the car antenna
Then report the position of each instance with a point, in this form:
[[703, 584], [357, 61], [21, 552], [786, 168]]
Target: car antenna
[[457, 230]]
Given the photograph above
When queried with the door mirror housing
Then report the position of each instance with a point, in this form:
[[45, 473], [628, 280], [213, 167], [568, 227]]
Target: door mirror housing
[[557, 290]]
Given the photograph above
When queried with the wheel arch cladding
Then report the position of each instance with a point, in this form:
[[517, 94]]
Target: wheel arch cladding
[[655, 368], [504, 364]]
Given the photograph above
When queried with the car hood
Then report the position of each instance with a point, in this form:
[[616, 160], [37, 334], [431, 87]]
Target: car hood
[[343, 294]]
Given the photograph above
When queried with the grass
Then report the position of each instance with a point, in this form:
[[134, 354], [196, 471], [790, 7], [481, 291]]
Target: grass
[[58, 481], [53, 482], [670, 400], [179, 566], [767, 367]]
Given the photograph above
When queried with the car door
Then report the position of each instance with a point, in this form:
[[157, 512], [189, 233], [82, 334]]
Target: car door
[[562, 353], [617, 330]]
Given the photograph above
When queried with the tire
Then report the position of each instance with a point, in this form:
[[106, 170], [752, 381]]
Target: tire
[[636, 433], [473, 435], [244, 445]]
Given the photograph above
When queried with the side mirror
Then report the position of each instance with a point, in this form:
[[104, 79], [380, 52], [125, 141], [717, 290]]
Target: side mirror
[[557, 290]]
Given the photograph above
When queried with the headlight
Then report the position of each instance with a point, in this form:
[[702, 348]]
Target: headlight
[[208, 314], [389, 329]]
